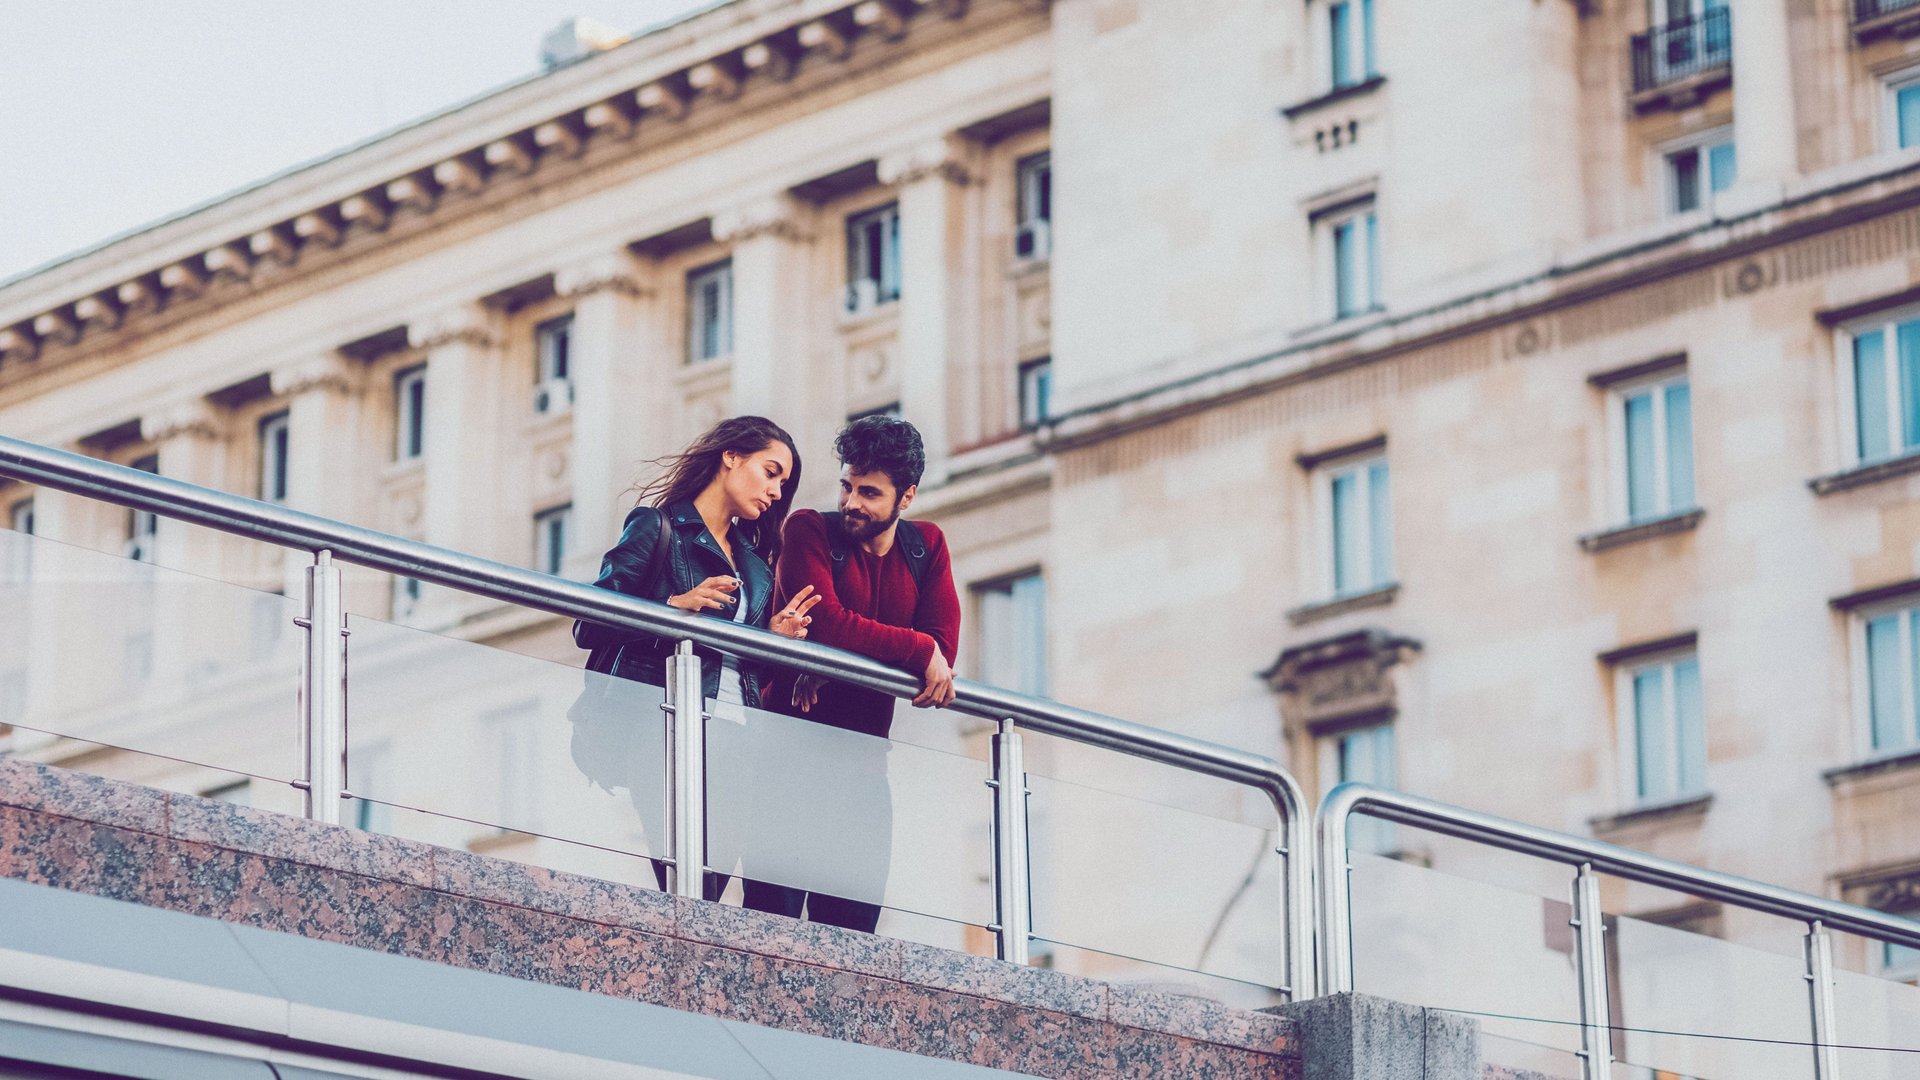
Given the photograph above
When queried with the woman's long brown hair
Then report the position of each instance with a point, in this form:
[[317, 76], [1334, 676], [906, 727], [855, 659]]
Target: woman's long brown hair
[[688, 473]]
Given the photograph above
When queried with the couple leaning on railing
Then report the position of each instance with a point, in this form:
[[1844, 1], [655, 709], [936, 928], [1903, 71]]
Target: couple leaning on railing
[[712, 535]]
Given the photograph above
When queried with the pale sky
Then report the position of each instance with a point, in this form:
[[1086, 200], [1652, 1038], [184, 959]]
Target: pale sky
[[117, 113]]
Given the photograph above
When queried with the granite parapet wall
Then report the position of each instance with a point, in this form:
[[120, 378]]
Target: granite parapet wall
[[106, 838]]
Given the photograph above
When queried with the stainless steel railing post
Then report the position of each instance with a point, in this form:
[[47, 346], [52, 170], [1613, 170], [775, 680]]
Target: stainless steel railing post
[[1333, 879], [1012, 886], [686, 767], [1590, 961], [1826, 1059], [323, 692]]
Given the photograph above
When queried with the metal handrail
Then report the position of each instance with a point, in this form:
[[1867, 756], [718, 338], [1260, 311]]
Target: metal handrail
[[1588, 857], [1684, 47], [283, 526]]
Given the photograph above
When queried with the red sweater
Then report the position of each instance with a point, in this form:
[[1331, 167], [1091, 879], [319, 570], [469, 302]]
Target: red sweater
[[875, 609]]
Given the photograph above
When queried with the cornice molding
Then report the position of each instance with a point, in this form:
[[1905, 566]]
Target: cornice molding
[[465, 325], [607, 274], [945, 159], [328, 372], [779, 216], [185, 419]]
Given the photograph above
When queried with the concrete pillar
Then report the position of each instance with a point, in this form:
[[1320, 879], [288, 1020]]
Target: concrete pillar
[[189, 624], [1764, 131], [191, 440], [620, 360], [770, 239], [1361, 1037], [325, 457], [937, 275], [463, 430]]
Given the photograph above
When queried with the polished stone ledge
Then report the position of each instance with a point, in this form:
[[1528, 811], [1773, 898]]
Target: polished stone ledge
[[106, 838]]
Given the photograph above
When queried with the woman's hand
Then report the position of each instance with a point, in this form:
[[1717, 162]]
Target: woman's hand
[[791, 621], [715, 593]]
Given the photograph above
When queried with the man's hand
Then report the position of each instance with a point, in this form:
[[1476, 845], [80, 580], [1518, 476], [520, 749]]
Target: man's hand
[[806, 691], [936, 691]]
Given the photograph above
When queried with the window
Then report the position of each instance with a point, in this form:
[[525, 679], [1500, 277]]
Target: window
[[1654, 449], [1887, 643], [20, 517], [1885, 374], [1362, 755], [273, 458], [410, 411], [891, 408], [1351, 239], [1900, 963], [1359, 517], [553, 365], [143, 527], [1013, 633], [1350, 41], [1036, 392], [710, 312], [1033, 207], [406, 597], [550, 539], [873, 258], [1903, 96], [1663, 733], [1698, 169], [18, 565]]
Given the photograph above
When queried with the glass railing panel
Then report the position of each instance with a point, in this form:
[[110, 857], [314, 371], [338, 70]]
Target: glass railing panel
[[516, 756], [1154, 883], [1689, 1004], [803, 805], [138, 657], [1502, 956], [1876, 1000]]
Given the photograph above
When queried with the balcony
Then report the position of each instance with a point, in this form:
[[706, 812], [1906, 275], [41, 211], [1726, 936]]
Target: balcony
[[1873, 19], [1680, 63]]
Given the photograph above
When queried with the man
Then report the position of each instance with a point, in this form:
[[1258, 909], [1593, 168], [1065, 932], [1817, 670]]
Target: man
[[885, 589]]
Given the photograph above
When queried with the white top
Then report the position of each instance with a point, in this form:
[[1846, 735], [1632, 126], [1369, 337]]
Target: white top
[[731, 691]]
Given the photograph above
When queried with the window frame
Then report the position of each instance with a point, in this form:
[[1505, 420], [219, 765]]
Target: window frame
[[1362, 213], [1009, 586], [409, 423], [1904, 608], [721, 271], [1370, 834], [1896, 82], [1325, 474], [1035, 388], [885, 277], [553, 367], [1361, 62], [1627, 727], [550, 552], [1620, 484], [274, 434], [1886, 323], [1033, 184], [1701, 143]]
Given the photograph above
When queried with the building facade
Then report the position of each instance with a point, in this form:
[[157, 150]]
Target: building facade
[[1517, 406]]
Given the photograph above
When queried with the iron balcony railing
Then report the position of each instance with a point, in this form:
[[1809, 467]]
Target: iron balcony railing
[[1868, 10], [324, 686], [1589, 858], [1684, 48]]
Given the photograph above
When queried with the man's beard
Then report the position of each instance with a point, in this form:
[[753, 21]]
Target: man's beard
[[861, 527]]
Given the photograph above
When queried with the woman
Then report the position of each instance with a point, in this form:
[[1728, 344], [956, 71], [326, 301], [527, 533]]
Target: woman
[[703, 539]]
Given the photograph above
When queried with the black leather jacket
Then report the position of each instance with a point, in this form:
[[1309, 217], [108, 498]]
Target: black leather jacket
[[692, 557]]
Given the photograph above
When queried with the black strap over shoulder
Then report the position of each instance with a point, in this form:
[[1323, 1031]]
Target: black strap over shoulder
[[912, 543]]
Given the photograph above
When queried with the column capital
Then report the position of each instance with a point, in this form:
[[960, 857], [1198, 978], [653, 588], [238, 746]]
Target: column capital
[[191, 418], [946, 158], [328, 371], [613, 272], [467, 324], [780, 216]]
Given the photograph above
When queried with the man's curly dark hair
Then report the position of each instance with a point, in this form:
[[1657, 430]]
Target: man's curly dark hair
[[885, 444]]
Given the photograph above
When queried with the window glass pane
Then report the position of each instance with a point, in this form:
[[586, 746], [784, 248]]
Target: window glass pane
[[1338, 17], [1690, 735], [1381, 512], [1906, 104], [1642, 499], [1907, 732], [1346, 533], [1346, 282], [1652, 749], [1373, 261], [1684, 169], [1883, 681], [1870, 395], [1907, 339], [1679, 446], [1366, 38], [1722, 166]]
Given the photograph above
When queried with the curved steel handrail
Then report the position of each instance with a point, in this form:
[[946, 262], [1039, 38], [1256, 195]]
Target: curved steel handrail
[[90, 477], [1336, 916]]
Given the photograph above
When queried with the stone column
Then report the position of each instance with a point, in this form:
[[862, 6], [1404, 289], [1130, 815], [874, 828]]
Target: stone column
[[463, 430], [189, 624], [191, 438], [1765, 137], [937, 272], [325, 451], [619, 364], [770, 241]]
